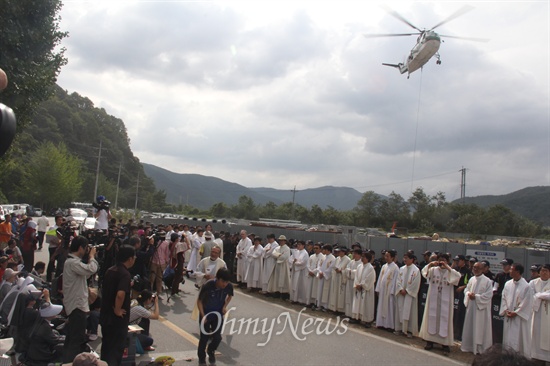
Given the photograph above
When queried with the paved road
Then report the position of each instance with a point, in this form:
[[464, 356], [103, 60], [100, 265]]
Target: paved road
[[294, 339]]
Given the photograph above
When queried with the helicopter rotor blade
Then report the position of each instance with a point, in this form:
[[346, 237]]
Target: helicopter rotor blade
[[467, 38], [400, 17], [456, 14], [390, 35]]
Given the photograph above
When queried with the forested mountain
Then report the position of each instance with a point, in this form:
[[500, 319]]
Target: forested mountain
[[531, 202], [73, 121]]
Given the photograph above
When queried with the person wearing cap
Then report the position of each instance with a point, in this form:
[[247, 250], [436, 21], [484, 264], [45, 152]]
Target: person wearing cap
[[242, 264], [477, 335], [102, 215], [540, 344], [279, 282], [517, 308], [28, 245], [253, 277], [299, 273], [8, 281], [324, 274], [535, 272], [207, 246], [437, 321], [114, 315], [385, 314], [498, 285], [268, 261], [75, 295], [363, 297], [465, 276], [487, 270], [406, 293]]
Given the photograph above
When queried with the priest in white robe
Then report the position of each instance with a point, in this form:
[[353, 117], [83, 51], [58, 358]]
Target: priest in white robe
[[517, 308], [254, 255], [312, 278], [349, 275], [279, 282], [363, 300], [338, 285], [477, 333], [540, 344], [385, 314], [324, 274], [269, 260], [406, 293], [299, 280], [437, 322], [242, 263]]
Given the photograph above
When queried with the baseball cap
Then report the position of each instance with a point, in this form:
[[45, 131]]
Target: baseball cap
[[507, 261], [87, 359]]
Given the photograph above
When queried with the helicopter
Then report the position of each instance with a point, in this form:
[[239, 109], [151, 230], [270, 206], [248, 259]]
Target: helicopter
[[427, 43]]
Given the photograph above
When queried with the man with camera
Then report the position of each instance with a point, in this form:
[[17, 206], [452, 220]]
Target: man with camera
[[103, 214], [75, 291]]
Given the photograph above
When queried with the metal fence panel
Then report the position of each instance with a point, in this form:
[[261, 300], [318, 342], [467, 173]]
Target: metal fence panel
[[418, 246]]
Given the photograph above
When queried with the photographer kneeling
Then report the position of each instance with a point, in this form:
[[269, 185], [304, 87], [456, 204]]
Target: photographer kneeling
[[141, 313]]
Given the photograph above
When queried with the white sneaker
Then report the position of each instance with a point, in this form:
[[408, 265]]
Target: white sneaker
[[92, 337]]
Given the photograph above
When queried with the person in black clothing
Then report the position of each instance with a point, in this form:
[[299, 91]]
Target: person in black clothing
[[143, 258], [212, 303], [115, 306], [487, 271], [460, 308]]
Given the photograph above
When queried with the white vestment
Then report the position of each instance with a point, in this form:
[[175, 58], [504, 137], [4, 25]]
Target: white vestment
[[208, 267], [323, 289], [363, 300], [337, 285], [385, 315], [540, 343], [280, 277], [477, 334], [299, 288], [406, 312], [437, 322], [253, 276], [269, 263], [312, 279], [517, 296], [194, 256], [349, 277], [242, 263]]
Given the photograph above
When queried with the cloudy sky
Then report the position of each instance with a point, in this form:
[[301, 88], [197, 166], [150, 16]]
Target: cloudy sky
[[290, 93]]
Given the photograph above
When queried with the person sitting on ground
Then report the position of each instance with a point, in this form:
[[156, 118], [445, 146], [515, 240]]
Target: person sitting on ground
[[146, 308], [45, 344]]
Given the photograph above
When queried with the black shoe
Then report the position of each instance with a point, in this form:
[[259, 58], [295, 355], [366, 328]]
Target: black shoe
[[202, 362], [429, 346], [211, 358], [446, 349], [368, 325]]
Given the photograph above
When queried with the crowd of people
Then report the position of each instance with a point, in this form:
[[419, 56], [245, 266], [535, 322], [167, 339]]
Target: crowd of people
[[92, 277]]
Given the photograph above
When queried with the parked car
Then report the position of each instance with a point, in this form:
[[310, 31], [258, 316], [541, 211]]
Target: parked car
[[87, 224], [77, 215], [38, 212]]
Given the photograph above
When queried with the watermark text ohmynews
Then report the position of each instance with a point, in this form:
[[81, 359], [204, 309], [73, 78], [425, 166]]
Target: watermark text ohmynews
[[299, 326]]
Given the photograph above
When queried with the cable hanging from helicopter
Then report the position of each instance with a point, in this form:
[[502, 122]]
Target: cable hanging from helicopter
[[427, 43]]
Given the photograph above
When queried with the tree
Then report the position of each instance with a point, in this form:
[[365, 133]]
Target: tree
[[54, 177], [368, 207], [30, 55], [395, 208]]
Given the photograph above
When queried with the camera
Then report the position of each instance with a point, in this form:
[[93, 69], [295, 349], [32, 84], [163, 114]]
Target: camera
[[101, 203]]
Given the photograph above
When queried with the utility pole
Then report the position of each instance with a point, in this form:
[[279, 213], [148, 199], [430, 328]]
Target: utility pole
[[463, 185], [118, 184], [97, 172], [293, 197]]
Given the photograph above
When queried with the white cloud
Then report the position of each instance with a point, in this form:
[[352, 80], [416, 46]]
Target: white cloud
[[279, 94]]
